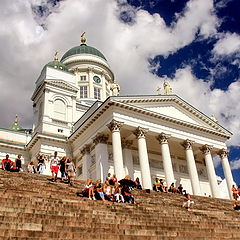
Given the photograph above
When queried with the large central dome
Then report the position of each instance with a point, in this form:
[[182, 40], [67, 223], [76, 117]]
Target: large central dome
[[83, 49]]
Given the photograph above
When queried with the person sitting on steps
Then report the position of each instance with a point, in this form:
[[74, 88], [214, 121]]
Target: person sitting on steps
[[187, 202], [156, 185], [172, 188], [6, 163]]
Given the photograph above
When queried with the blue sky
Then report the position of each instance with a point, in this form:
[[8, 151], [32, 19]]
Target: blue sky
[[198, 54], [194, 43]]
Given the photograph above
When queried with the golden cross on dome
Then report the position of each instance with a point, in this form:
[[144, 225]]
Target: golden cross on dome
[[55, 56], [83, 39]]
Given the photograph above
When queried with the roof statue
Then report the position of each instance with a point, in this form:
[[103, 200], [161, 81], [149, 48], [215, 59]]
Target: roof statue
[[158, 90], [214, 118], [167, 87], [83, 39], [55, 56], [115, 88]]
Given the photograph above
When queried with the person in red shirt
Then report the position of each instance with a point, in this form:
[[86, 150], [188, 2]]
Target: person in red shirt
[[6, 163], [235, 192]]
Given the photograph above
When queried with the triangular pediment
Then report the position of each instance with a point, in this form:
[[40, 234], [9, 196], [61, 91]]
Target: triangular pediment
[[173, 107], [174, 112]]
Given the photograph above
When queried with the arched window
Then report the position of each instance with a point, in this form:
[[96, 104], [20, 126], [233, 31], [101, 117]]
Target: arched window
[[59, 110]]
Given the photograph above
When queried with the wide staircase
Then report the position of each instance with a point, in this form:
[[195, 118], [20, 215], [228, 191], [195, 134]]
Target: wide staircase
[[32, 207]]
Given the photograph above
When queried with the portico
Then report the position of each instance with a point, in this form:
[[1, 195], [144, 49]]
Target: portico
[[145, 144]]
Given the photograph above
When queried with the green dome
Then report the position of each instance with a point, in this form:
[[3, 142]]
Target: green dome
[[83, 48], [57, 65], [15, 126]]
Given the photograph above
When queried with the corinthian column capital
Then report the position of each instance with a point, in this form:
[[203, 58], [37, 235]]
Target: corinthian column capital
[[100, 138], [86, 149], [163, 138], [126, 143], [206, 149], [223, 153], [140, 132], [114, 125], [187, 144]]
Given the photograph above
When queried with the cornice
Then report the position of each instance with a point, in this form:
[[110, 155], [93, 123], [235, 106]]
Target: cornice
[[69, 61], [62, 84], [50, 137]]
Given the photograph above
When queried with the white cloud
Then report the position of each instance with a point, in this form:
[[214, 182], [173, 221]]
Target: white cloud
[[27, 47], [235, 164], [216, 161], [228, 44]]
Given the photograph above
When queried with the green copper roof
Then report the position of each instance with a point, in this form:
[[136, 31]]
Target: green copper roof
[[83, 48], [57, 65]]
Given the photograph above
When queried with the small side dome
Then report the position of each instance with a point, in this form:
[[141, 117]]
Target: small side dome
[[83, 49], [15, 126], [57, 65]]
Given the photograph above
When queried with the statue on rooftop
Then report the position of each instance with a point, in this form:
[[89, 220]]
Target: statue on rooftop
[[115, 88], [167, 87], [83, 39]]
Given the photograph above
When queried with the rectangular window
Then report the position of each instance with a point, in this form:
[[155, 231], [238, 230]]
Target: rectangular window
[[83, 92], [83, 78], [97, 93]]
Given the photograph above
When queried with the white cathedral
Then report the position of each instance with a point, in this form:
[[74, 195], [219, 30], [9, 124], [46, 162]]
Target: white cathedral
[[78, 112]]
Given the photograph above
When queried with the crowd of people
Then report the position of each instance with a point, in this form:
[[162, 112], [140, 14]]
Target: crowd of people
[[12, 166], [110, 190], [65, 165]]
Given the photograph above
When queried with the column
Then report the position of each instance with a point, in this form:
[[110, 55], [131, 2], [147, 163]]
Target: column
[[90, 81], [114, 127], [127, 157], [223, 153], [166, 157], [192, 169], [86, 161], [206, 149], [143, 158], [101, 155]]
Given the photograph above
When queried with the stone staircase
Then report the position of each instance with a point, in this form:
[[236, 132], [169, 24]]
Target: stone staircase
[[31, 207]]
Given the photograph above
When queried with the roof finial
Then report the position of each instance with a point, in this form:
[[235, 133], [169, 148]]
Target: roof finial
[[83, 39], [158, 91], [167, 87], [16, 120], [55, 56]]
